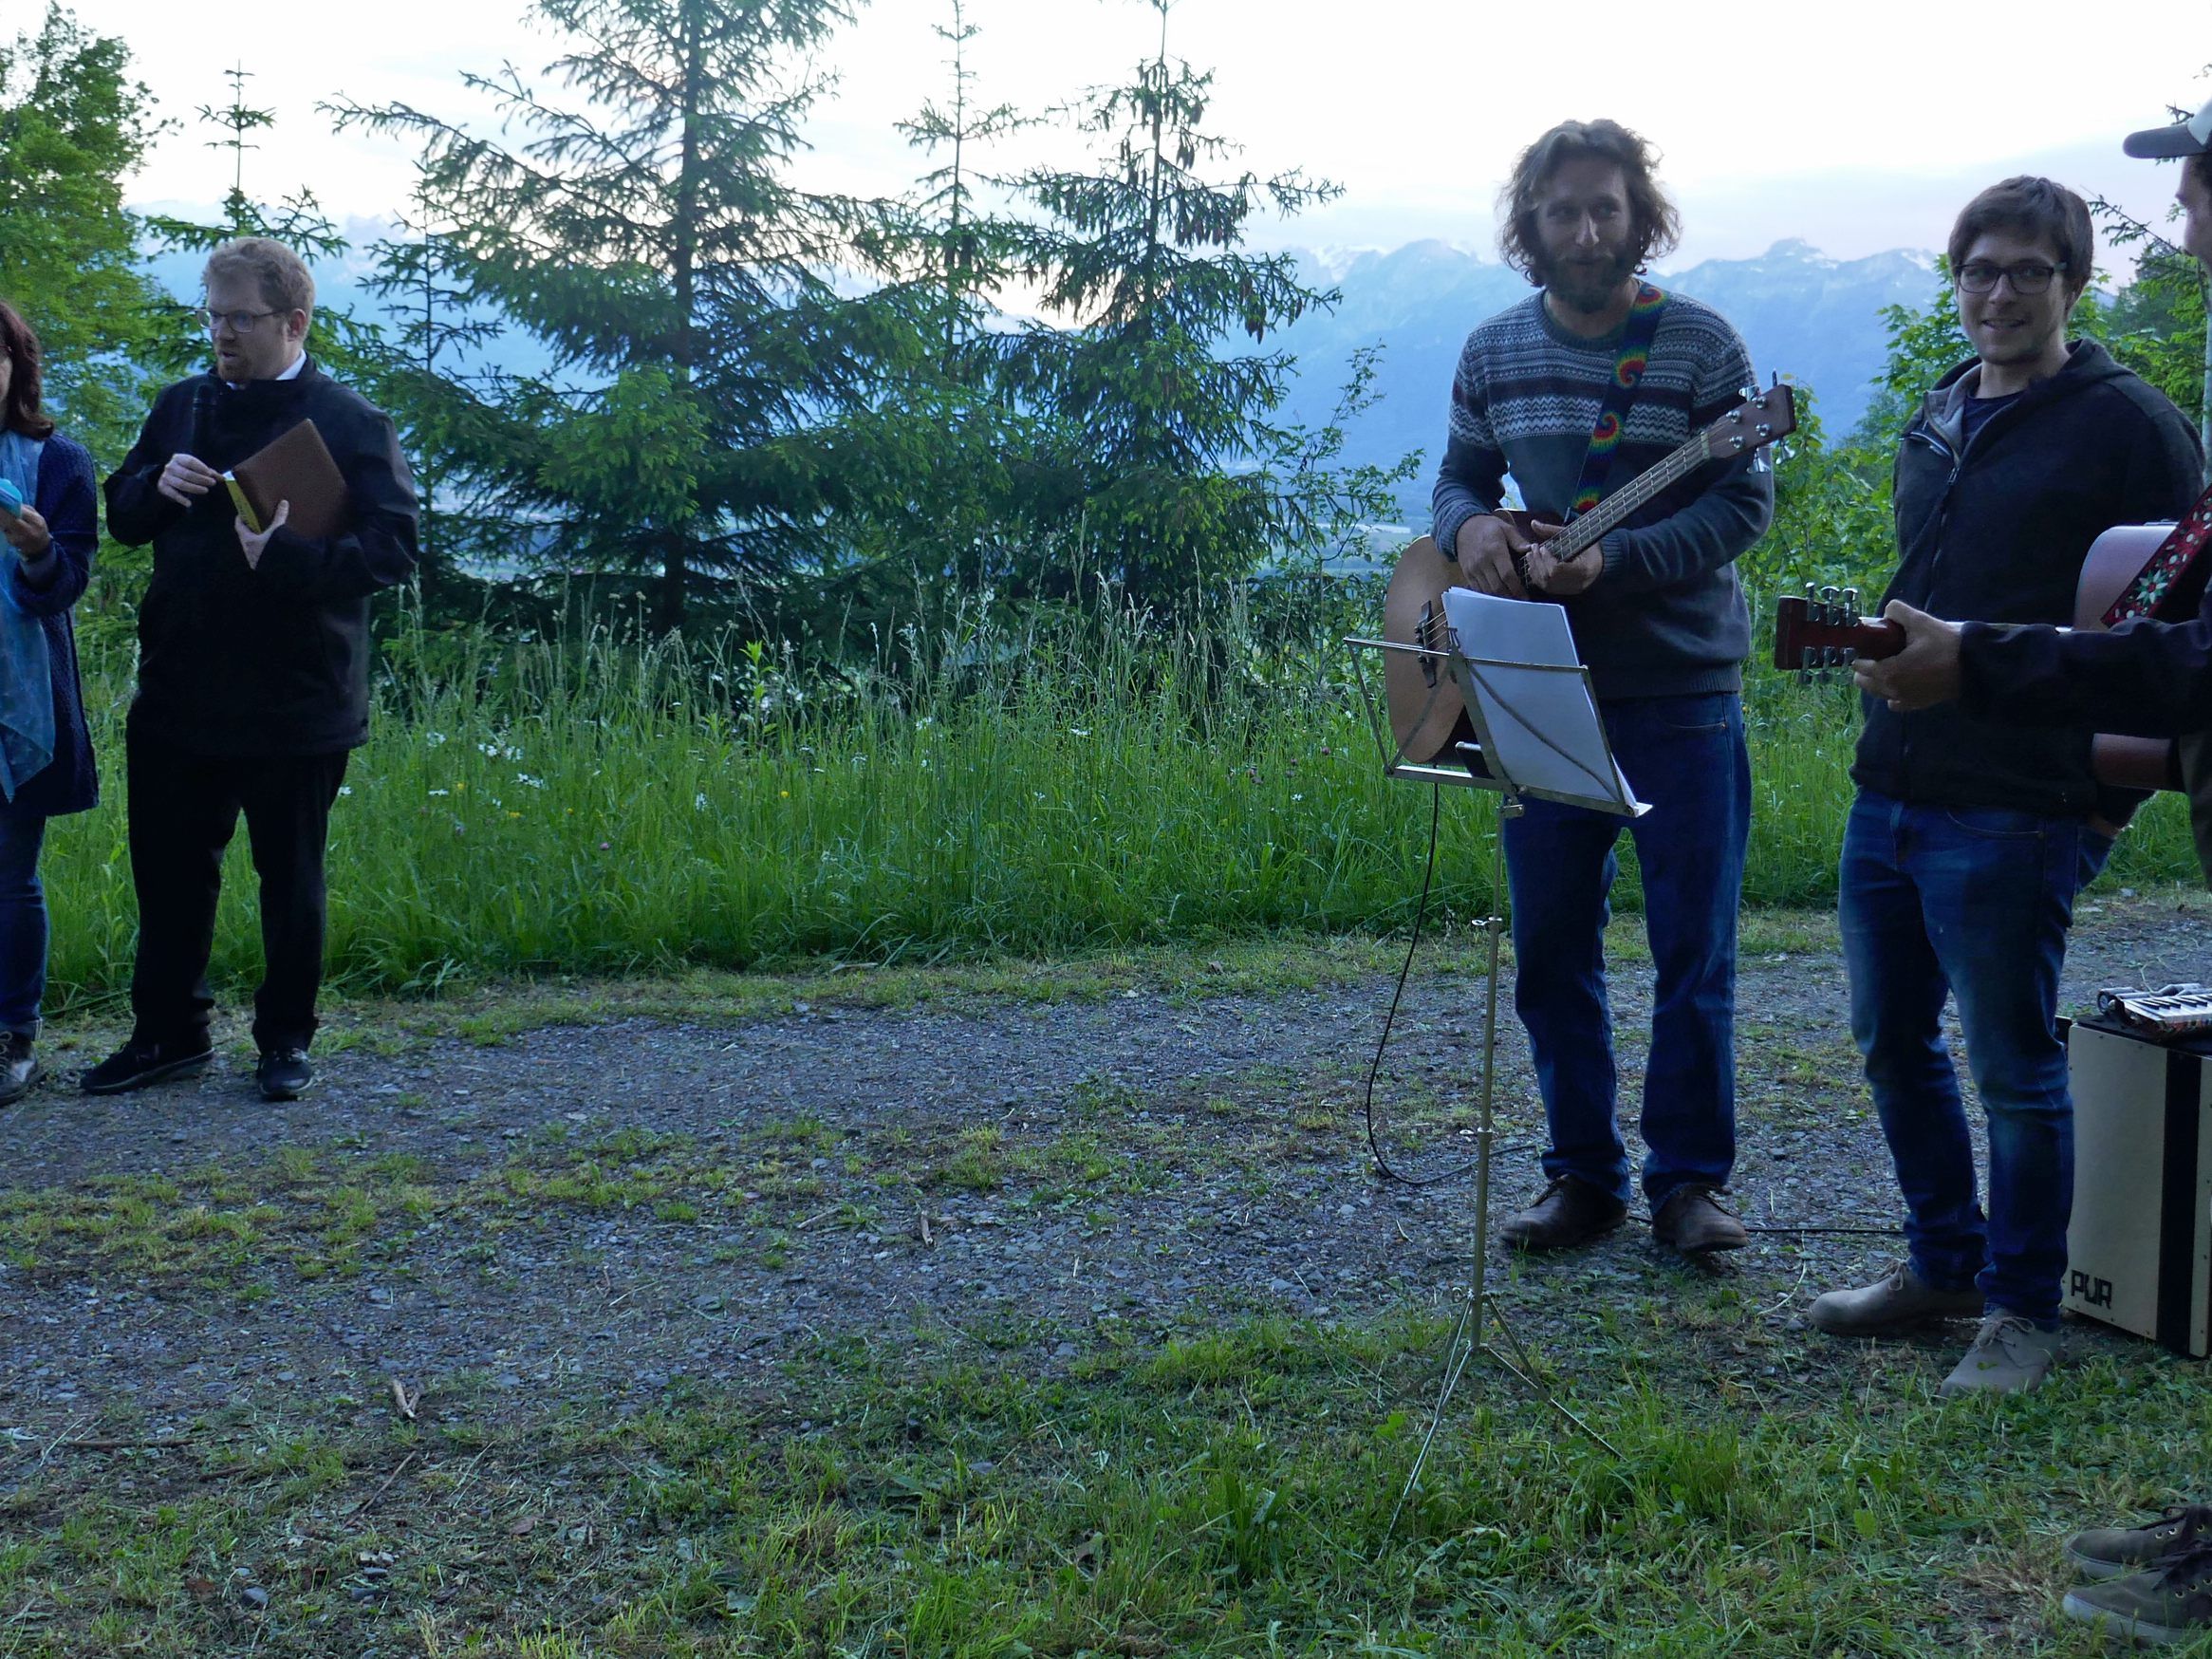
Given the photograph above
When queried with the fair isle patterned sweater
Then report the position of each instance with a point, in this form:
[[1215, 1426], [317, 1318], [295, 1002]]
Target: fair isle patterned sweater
[[1665, 618]]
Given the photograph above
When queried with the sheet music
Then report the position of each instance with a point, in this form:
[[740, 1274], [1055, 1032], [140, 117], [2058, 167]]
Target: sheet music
[[1543, 725]]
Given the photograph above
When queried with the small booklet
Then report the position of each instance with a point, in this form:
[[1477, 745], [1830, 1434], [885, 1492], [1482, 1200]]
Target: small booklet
[[295, 467]]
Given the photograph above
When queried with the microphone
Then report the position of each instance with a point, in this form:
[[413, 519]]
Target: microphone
[[203, 415]]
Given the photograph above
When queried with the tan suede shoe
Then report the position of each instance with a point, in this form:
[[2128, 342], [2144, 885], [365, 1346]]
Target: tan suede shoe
[[1695, 1221]]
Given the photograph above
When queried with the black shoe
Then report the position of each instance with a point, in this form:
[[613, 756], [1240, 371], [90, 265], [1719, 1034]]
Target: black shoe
[[137, 1064], [283, 1074], [1566, 1213], [19, 1067]]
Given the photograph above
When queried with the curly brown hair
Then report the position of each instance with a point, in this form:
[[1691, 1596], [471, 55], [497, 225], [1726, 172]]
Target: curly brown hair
[[25, 380], [1658, 227]]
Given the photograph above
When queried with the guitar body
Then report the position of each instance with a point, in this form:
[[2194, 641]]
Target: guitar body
[[1428, 713], [2115, 559]]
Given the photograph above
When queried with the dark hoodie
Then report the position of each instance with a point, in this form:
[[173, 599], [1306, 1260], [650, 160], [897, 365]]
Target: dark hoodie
[[243, 661], [1996, 531]]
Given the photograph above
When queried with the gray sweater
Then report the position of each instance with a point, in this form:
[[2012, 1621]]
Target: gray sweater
[[1666, 617]]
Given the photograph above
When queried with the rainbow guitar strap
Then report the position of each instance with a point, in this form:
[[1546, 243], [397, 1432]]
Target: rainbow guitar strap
[[2174, 579], [1628, 365]]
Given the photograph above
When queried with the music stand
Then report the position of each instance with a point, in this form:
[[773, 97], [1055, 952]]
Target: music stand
[[1494, 689]]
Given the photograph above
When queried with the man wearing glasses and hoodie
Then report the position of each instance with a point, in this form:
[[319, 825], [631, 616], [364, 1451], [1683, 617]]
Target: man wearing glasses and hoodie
[[1971, 833], [2152, 677]]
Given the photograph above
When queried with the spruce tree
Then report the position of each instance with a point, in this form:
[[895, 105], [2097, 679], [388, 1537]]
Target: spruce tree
[[647, 231], [1162, 449]]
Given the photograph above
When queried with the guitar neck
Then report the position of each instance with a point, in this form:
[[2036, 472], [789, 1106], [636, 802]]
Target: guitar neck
[[1614, 510]]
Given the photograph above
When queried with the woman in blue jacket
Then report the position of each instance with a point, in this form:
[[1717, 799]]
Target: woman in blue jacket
[[46, 750]]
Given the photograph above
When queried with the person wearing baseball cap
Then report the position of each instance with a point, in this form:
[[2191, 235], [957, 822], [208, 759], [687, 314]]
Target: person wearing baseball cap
[[2150, 676]]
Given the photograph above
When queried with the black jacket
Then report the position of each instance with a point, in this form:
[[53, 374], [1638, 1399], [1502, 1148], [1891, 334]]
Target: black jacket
[[244, 661], [1997, 530]]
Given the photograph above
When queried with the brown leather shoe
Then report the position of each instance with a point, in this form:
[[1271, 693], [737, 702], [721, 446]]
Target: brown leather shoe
[[1694, 1221], [1566, 1213]]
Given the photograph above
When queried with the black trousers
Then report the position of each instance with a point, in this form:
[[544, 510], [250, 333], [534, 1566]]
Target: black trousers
[[183, 810]]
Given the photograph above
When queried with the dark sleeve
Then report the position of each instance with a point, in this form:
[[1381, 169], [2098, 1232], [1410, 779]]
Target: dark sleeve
[[1734, 503], [2144, 678], [66, 502], [137, 512], [1471, 478], [379, 550]]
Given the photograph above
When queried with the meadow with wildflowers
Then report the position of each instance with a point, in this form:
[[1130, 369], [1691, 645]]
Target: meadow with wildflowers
[[603, 803]]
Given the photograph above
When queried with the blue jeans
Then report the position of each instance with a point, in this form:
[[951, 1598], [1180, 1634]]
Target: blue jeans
[[1973, 902], [23, 921], [1685, 757]]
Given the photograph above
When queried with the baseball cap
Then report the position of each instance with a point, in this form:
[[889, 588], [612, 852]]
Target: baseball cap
[[2185, 138]]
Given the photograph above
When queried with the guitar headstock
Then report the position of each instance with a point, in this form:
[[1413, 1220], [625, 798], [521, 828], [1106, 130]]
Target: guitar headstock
[[1823, 631], [1762, 419]]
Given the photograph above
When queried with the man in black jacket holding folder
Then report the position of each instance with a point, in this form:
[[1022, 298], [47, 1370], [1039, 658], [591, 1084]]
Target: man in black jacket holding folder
[[253, 652]]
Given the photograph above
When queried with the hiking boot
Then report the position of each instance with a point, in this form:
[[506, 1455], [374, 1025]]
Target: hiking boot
[[1693, 1221], [2167, 1604], [137, 1064], [19, 1067], [2010, 1354], [1566, 1213], [283, 1074], [2107, 1552], [1903, 1298]]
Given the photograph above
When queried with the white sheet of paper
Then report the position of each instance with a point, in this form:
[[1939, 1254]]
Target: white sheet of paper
[[1543, 725]]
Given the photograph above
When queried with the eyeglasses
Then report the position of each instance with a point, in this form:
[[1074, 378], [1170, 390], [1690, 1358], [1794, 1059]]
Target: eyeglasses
[[241, 322], [1978, 277]]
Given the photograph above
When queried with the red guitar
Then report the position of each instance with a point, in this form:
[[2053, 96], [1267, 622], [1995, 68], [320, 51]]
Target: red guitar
[[1824, 631]]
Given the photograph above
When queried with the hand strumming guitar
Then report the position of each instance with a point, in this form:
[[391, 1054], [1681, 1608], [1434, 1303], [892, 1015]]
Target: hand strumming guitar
[[1489, 553]]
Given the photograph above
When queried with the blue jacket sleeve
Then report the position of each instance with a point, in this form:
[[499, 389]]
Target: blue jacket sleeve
[[66, 501]]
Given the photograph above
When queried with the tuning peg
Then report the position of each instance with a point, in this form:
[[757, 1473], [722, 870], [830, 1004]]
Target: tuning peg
[[1851, 599]]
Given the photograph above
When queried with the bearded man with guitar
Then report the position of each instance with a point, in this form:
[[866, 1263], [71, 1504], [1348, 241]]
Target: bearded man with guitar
[[1971, 832], [1575, 392]]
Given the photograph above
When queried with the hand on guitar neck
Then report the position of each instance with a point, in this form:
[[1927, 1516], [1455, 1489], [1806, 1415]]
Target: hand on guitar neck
[[1924, 671]]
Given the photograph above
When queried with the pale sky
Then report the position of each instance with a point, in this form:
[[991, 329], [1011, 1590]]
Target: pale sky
[[1857, 128]]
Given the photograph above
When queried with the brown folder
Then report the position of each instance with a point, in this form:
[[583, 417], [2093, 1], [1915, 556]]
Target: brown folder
[[295, 467]]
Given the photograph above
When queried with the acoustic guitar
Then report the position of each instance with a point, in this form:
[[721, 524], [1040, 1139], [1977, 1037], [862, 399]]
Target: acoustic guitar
[[1427, 715], [1824, 631]]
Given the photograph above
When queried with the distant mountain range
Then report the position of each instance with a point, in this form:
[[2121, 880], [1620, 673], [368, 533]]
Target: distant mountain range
[[1814, 320]]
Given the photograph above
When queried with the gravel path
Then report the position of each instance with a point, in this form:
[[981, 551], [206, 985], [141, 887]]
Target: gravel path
[[607, 1210]]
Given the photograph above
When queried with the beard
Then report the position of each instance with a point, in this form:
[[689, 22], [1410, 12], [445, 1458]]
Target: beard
[[1589, 286]]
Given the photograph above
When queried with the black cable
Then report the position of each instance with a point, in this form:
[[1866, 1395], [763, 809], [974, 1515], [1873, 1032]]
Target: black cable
[[1419, 910]]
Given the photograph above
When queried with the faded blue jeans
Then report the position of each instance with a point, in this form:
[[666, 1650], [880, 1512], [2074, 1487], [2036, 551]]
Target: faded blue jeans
[[23, 921], [1971, 901], [1683, 756]]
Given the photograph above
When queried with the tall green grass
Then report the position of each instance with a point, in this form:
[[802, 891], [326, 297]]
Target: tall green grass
[[596, 804]]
